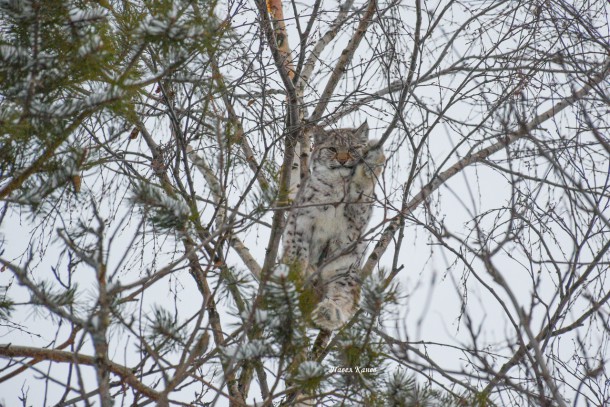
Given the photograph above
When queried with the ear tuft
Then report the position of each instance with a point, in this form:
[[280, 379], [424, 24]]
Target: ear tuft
[[362, 132]]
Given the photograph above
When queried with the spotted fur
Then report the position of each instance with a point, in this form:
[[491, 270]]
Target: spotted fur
[[326, 225]]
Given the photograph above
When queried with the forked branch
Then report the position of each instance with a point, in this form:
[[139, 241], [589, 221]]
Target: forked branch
[[503, 142]]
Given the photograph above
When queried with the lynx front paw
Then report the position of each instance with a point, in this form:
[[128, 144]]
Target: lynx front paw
[[328, 315], [374, 160]]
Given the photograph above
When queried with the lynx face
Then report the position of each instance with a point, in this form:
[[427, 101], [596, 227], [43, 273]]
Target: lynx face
[[341, 148]]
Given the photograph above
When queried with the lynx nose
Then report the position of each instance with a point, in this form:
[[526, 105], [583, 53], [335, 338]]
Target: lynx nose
[[342, 157]]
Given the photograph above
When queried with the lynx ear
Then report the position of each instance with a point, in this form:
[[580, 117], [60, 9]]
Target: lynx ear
[[319, 135], [362, 132]]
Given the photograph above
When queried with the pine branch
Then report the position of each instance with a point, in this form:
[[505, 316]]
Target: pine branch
[[200, 278], [54, 355], [47, 154], [26, 366], [217, 193], [241, 138], [42, 297]]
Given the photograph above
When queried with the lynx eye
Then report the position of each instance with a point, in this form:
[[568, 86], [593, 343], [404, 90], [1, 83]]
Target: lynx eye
[[332, 150]]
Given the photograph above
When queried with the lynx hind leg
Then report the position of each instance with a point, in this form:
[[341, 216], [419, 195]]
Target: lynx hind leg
[[329, 315], [339, 304]]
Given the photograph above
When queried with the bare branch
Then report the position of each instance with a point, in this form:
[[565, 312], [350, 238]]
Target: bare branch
[[477, 157]]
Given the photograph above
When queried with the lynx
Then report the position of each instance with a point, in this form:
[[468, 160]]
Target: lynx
[[326, 224]]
